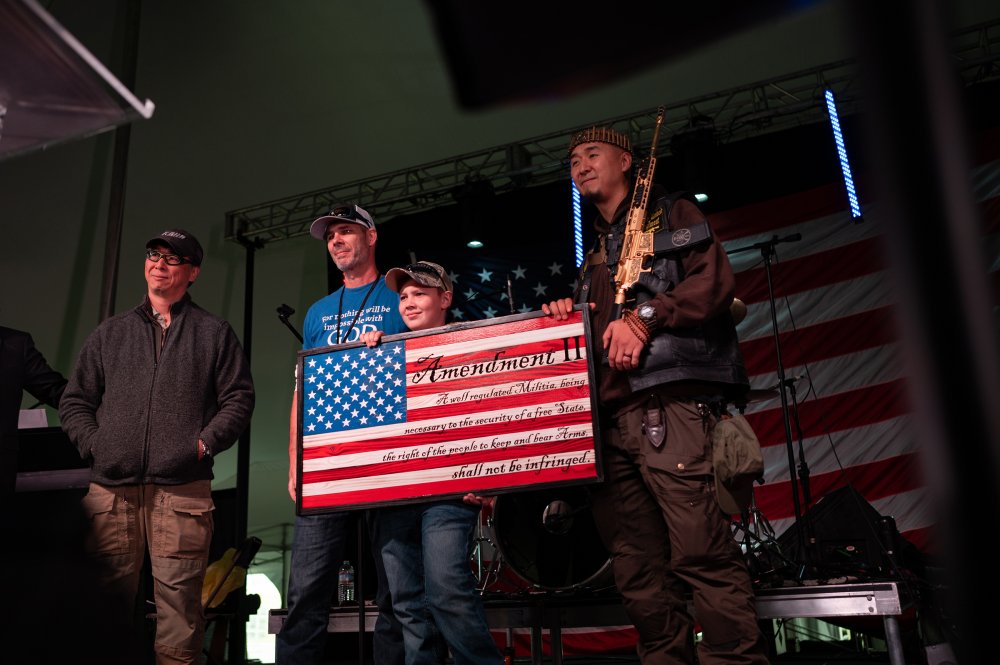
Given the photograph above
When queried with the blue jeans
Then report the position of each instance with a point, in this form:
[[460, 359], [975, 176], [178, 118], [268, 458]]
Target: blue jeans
[[317, 552], [318, 549], [425, 549], [387, 638]]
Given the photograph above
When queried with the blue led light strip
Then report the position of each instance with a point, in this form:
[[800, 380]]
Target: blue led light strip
[[845, 166], [577, 225]]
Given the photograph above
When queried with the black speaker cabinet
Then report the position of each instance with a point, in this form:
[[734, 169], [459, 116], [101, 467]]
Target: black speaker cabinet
[[844, 535]]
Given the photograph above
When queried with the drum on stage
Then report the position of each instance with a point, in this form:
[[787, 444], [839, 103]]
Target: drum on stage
[[548, 539]]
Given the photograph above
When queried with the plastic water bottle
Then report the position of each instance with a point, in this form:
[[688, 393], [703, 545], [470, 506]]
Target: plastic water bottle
[[345, 583]]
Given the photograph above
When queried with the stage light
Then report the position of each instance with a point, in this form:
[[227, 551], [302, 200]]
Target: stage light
[[476, 200], [845, 166], [577, 224], [696, 148]]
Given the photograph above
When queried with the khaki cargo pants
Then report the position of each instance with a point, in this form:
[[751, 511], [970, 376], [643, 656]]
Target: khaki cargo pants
[[174, 522]]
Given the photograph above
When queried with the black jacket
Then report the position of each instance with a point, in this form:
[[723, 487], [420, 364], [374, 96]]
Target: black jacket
[[703, 351], [22, 368], [136, 406]]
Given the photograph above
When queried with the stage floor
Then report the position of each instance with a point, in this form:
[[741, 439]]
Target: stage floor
[[546, 624]]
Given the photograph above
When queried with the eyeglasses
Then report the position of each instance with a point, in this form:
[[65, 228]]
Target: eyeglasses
[[171, 259]]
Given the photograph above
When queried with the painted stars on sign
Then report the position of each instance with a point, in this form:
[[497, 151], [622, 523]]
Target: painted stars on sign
[[354, 388]]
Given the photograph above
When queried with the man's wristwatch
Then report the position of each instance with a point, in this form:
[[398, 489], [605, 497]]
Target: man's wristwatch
[[647, 314], [203, 448]]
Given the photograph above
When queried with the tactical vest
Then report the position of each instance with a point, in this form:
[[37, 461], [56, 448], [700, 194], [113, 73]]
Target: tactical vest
[[706, 352]]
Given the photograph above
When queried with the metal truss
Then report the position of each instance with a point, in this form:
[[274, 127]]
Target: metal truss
[[767, 106]]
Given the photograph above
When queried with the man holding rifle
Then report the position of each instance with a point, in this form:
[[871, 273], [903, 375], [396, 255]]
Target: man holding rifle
[[671, 364]]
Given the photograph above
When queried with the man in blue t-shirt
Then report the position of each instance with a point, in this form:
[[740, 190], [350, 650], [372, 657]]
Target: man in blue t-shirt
[[362, 304]]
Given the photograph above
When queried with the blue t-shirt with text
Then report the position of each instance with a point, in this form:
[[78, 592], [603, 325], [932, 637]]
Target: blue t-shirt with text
[[381, 312]]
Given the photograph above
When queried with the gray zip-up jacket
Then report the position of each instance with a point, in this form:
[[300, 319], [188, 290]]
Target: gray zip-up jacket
[[140, 397]]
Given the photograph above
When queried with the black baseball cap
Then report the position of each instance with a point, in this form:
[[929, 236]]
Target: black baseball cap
[[182, 242]]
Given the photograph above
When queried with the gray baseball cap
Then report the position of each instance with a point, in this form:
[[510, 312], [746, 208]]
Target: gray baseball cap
[[352, 213]]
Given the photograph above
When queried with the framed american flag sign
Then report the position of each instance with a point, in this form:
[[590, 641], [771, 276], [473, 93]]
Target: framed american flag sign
[[491, 406]]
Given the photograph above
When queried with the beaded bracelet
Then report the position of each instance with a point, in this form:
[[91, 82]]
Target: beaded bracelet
[[646, 325], [636, 325]]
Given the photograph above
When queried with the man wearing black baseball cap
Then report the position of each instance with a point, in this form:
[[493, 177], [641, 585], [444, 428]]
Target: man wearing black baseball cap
[[185, 250], [156, 393]]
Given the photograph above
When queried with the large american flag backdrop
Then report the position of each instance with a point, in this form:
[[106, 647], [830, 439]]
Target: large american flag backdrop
[[839, 337], [489, 406]]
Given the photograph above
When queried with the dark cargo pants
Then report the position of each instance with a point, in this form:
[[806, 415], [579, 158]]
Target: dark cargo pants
[[658, 517]]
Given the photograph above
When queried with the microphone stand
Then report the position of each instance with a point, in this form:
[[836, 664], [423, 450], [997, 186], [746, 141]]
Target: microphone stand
[[510, 294], [506, 289], [766, 248], [284, 311], [803, 467]]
